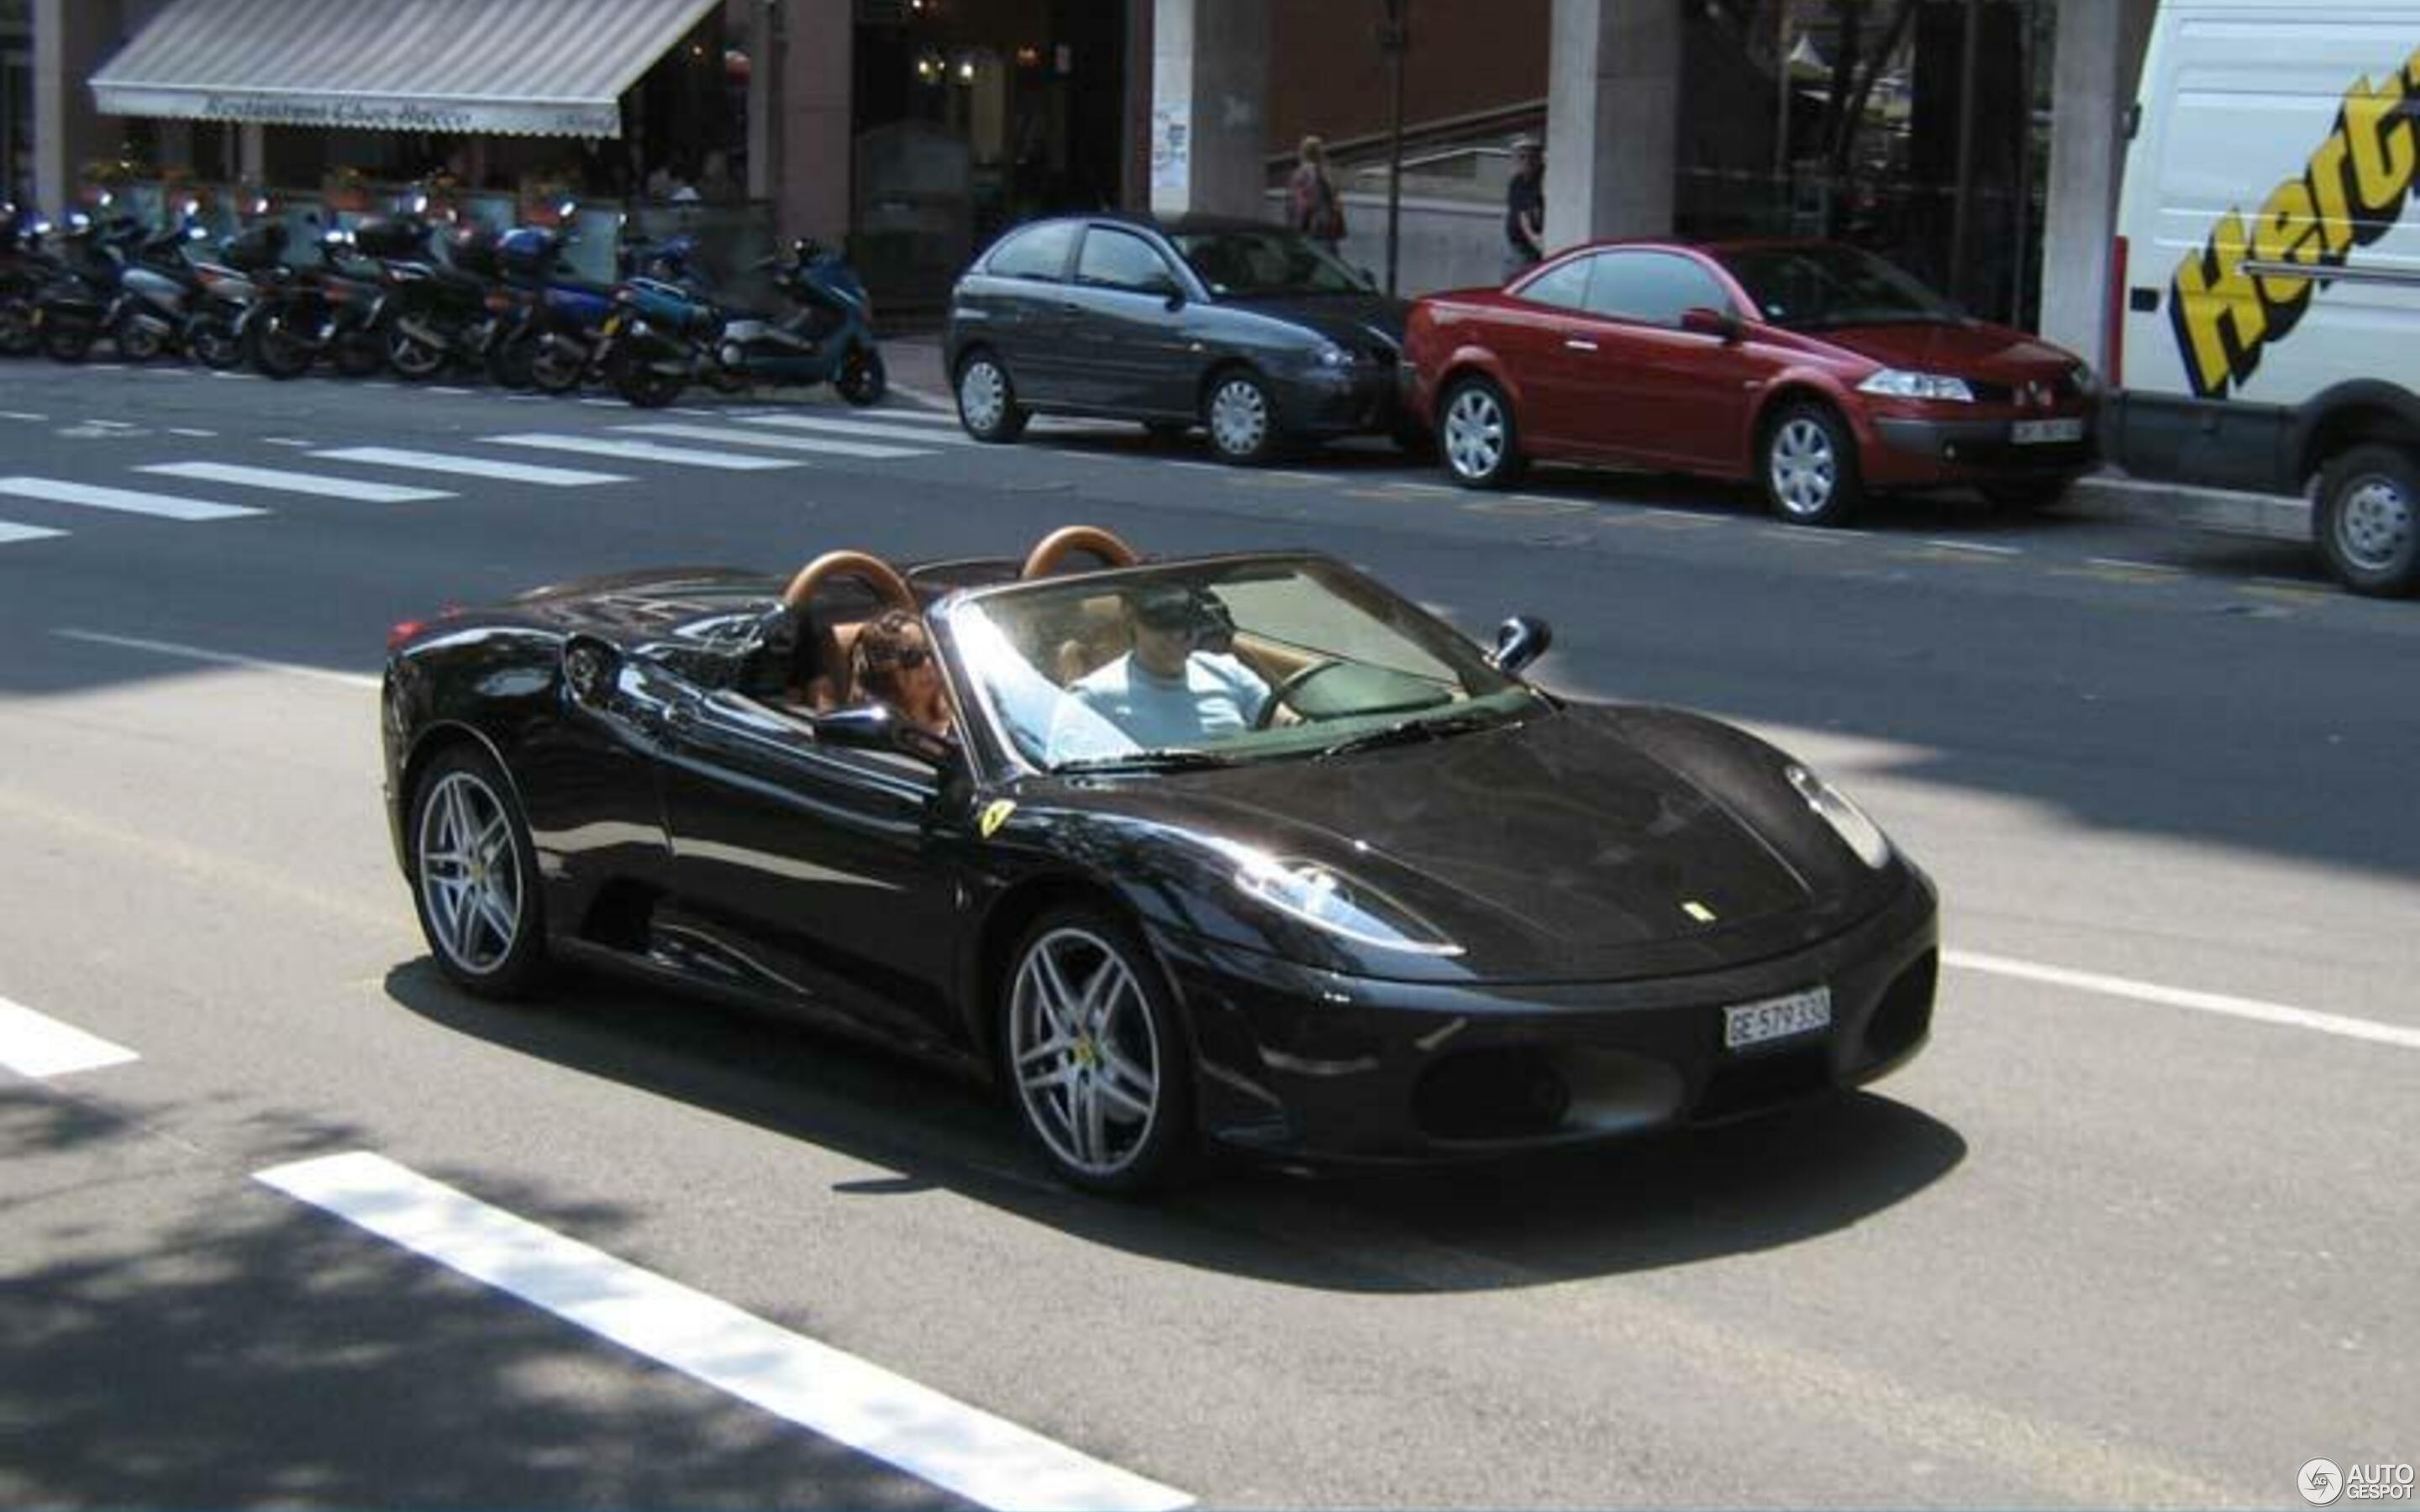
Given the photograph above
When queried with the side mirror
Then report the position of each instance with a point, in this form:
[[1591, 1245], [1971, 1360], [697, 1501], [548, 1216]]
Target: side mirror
[[1172, 297], [877, 727], [1520, 640], [1702, 321]]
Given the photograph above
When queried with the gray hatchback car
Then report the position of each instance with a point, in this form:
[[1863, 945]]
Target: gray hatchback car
[[1251, 332]]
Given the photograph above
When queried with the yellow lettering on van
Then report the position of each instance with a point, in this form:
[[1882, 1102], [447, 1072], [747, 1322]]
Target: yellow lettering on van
[[2287, 231], [2380, 135], [2327, 181], [2218, 311]]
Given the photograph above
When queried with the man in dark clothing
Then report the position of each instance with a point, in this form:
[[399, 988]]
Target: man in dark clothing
[[1524, 208]]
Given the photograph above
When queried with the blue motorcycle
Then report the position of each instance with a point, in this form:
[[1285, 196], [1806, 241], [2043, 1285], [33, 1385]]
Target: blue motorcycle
[[561, 320], [828, 336]]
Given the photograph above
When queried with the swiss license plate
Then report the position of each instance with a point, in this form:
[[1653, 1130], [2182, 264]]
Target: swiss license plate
[[1776, 1018], [2039, 432]]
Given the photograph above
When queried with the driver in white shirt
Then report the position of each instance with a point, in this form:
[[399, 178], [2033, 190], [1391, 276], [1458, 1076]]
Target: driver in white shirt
[[1179, 685]]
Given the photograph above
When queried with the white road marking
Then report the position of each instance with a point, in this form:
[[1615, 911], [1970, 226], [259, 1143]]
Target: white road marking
[[921, 417], [187, 430], [945, 1442], [866, 428], [471, 467], [11, 532], [733, 435], [1801, 535], [240, 377], [640, 451], [701, 414], [2242, 1008], [308, 483], [2125, 564], [1199, 467], [1422, 487], [445, 389], [608, 403], [222, 658], [295, 442], [112, 425], [160, 505], [35, 1045], [920, 396], [23, 414], [1976, 545]]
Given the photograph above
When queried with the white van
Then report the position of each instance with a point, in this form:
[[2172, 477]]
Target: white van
[[2267, 282]]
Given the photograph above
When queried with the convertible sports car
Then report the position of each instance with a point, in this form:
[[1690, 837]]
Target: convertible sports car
[[1382, 899]]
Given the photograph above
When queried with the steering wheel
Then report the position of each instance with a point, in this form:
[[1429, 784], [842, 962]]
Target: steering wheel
[[1067, 539], [1294, 681], [865, 566]]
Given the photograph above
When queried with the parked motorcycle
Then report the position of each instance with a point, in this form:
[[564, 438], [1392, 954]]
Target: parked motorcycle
[[443, 312], [328, 311], [249, 264], [156, 292], [25, 266], [77, 302], [828, 337]]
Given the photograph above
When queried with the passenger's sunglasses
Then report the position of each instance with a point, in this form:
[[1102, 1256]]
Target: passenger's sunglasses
[[906, 660]]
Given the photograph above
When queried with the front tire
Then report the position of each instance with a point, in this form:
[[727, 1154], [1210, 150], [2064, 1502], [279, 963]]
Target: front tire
[[66, 341], [987, 407], [1476, 437], [1241, 416], [277, 352], [863, 379], [557, 365], [212, 340], [135, 341], [2369, 520], [1095, 1057], [1809, 466], [474, 878]]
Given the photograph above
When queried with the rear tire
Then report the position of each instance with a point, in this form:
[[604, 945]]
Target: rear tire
[[474, 877], [1478, 440], [987, 407], [136, 341], [2370, 519], [69, 340], [276, 352], [214, 343], [412, 358], [1809, 462], [556, 366], [862, 381], [645, 385]]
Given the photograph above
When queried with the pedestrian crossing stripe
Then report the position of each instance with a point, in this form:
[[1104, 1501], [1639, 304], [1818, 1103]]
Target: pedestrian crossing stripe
[[733, 435], [865, 429], [470, 466], [125, 501], [11, 532], [304, 483], [640, 451]]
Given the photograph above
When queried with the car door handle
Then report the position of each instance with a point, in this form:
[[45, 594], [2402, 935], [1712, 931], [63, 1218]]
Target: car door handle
[[1575, 344]]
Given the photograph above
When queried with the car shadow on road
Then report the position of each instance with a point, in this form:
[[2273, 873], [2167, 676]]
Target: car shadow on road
[[1664, 1201]]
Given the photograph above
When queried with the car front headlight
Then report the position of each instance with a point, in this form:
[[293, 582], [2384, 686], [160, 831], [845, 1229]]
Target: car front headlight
[[2085, 380], [1859, 833], [1892, 383], [1311, 894]]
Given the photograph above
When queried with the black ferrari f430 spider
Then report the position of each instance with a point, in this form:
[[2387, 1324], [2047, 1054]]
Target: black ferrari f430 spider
[[1245, 849]]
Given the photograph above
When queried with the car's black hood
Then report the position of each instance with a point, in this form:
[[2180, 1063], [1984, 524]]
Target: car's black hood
[[1353, 321], [1569, 847]]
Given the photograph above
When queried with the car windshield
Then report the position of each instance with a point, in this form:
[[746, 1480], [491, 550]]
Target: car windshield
[[1809, 287], [1216, 663], [1239, 264]]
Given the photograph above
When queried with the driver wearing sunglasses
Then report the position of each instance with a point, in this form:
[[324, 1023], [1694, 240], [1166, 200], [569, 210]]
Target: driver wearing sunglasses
[[892, 661]]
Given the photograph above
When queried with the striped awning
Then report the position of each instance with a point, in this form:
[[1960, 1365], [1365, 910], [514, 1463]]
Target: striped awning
[[527, 67]]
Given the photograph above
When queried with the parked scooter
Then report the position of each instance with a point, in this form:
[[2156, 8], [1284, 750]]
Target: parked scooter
[[827, 338], [328, 311], [249, 264], [78, 301], [561, 321], [443, 312], [155, 291], [25, 266]]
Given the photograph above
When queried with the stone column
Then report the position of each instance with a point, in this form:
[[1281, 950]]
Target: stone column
[[1209, 124], [2099, 53], [807, 121], [1613, 105], [72, 38]]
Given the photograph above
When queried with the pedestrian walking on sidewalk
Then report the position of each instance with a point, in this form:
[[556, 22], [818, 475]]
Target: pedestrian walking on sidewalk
[[1312, 206], [1524, 208]]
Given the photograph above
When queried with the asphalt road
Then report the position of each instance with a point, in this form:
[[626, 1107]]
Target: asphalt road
[[2137, 1228]]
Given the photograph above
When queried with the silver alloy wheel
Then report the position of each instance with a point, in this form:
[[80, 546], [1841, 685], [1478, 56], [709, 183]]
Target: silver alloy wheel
[[1085, 1051], [1804, 469], [2375, 523], [1239, 417], [469, 873], [1474, 434], [982, 395], [412, 357]]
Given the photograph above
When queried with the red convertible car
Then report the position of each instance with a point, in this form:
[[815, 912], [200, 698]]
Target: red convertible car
[[1817, 370]]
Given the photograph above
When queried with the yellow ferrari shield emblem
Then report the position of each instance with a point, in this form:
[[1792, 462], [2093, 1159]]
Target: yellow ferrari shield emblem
[[994, 815]]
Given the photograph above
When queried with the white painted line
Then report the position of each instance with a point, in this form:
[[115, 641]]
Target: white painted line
[[308, 483], [640, 451], [35, 1044], [240, 377], [11, 532], [933, 400], [112, 425], [160, 505], [375, 383], [1800, 534], [1976, 545], [1301, 477], [1423, 487], [608, 403], [443, 389], [295, 442], [22, 414], [945, 1442], [104, 367], [1200, 467], [221, 659], [2242, 1008], [170, 371], [701, 414], [187, 430], [470, 466], [733, 435], [529, 399], [2128, 565], [921, 417], [922, 437]]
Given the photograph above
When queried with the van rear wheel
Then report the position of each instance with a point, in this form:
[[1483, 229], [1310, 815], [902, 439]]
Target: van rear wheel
[[2370, 519]]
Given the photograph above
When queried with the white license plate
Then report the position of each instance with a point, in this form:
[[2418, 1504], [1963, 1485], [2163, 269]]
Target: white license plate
[[1776, 1018], [2038, 432]]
